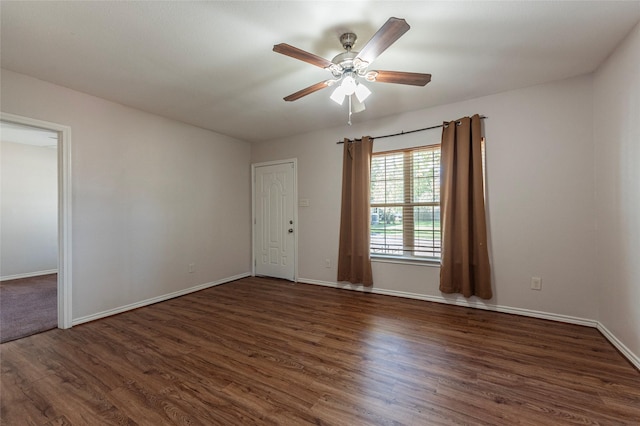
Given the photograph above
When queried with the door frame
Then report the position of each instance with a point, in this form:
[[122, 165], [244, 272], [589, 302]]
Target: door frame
[[293, 161], [64, 210]]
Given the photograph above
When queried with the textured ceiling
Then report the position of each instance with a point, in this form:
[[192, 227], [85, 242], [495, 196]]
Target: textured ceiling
[[210, 64]]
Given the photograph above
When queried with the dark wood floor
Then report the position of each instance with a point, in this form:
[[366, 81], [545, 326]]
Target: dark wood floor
[[262, 351]]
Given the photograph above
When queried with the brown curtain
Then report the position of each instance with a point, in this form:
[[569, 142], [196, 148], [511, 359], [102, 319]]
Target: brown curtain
[[465, 257], [354, 262]]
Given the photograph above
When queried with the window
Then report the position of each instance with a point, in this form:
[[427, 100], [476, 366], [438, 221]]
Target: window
[[405, 203]]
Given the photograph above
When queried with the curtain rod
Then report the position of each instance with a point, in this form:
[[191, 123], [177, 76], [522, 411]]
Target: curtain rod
[[482, 117]]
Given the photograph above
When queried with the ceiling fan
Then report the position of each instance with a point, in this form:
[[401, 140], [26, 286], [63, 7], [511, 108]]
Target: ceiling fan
[[349, 68]]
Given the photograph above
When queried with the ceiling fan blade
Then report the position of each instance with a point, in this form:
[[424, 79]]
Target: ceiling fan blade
[[398, 77], [307, 91], [302, 55], [391, 31]]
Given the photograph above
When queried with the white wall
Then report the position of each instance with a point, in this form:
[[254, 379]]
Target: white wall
[[540, 196], [150, 196], [617, 162], [28, 210]]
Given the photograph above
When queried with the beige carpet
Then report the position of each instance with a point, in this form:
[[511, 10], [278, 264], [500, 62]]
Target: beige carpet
[[28, 306]]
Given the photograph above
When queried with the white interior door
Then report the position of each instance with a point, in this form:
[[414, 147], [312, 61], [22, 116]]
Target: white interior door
[[274, 233]]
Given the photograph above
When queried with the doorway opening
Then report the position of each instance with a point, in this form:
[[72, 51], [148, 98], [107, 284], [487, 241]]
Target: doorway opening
[[36, 232]]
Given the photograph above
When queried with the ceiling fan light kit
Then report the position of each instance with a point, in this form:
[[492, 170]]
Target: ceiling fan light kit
[[362, 92], [349, 67], [338, 95]]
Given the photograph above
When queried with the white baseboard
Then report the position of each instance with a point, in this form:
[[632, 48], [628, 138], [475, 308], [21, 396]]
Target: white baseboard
[[633, 358], [28, 275], [121, 309]]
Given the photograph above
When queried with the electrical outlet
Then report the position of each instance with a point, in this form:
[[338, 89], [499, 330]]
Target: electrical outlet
[[536, 283], [192, 268], [327, 263]]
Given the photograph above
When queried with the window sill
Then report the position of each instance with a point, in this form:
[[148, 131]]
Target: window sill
[[433, 263]]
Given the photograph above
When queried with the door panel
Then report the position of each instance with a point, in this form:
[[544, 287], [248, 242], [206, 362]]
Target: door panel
[[274, 228]]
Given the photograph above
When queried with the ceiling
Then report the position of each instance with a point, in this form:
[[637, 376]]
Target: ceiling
[[211, 64]]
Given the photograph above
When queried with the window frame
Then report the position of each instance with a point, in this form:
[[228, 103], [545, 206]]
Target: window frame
[[408, 226]]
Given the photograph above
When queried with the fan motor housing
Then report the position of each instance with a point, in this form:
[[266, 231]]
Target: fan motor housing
[[346, 61], [348, 40]]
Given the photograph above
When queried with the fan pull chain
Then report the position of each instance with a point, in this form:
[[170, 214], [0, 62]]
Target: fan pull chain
[[350, 111]]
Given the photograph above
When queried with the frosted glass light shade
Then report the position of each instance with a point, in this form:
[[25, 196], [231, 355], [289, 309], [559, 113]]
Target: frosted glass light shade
[[362, 92], [349, 85], [338, 95]]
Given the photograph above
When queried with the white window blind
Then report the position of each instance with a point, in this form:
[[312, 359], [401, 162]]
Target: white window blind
[[405, 203]]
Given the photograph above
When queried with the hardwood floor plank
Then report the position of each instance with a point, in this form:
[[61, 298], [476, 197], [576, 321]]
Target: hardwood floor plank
[[269, 352], [32, 358], [59, 421], [16, 406]]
